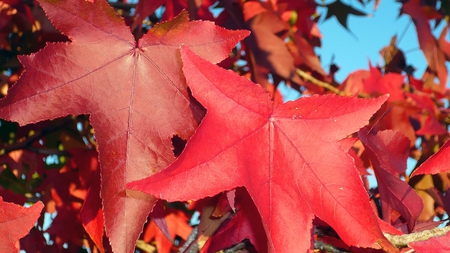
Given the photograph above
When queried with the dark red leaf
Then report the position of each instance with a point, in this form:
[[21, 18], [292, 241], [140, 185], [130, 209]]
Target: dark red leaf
[[388, 151], [157, 217], [428, 44], [270, 54], [244, 224], [438, 162], [391, 83]]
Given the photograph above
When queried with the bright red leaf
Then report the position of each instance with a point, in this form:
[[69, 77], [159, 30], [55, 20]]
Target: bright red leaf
[[289, 158], [397, 116], [388, 228], [374, 83], [430, 124], [104, 72], [390, 83], [436, 163], [15, 222]]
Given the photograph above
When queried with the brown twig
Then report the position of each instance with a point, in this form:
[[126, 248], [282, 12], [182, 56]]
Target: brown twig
[[319, 83], [190, 246], [27, 142], [48, 151], [121, 5], [404, 240], [320, 245]]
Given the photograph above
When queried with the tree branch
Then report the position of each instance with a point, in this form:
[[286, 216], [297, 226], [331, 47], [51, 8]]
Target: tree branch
[[327, 247], [319, 83], [27, 142], [121, 5], [404, 240]]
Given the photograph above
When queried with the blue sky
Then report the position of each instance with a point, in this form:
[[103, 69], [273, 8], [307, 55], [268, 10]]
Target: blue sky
[[372, 34], [353, 49]]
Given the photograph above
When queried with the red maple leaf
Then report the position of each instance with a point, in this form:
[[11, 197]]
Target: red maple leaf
[[134, 91], [438, 162], [289, 158], [430, 124], [15, 222], [390, 83], [372, 82]]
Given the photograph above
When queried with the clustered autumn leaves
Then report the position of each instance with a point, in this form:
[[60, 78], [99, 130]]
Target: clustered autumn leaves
[[280, 177]]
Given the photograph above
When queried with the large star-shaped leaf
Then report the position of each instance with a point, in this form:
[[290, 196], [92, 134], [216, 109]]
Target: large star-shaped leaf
[[289, 158], [134, 91]]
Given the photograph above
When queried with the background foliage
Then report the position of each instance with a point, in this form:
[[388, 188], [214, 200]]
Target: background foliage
[[55, 161]]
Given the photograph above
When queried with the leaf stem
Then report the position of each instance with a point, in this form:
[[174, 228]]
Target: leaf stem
[[404, 32], [320, 245]]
